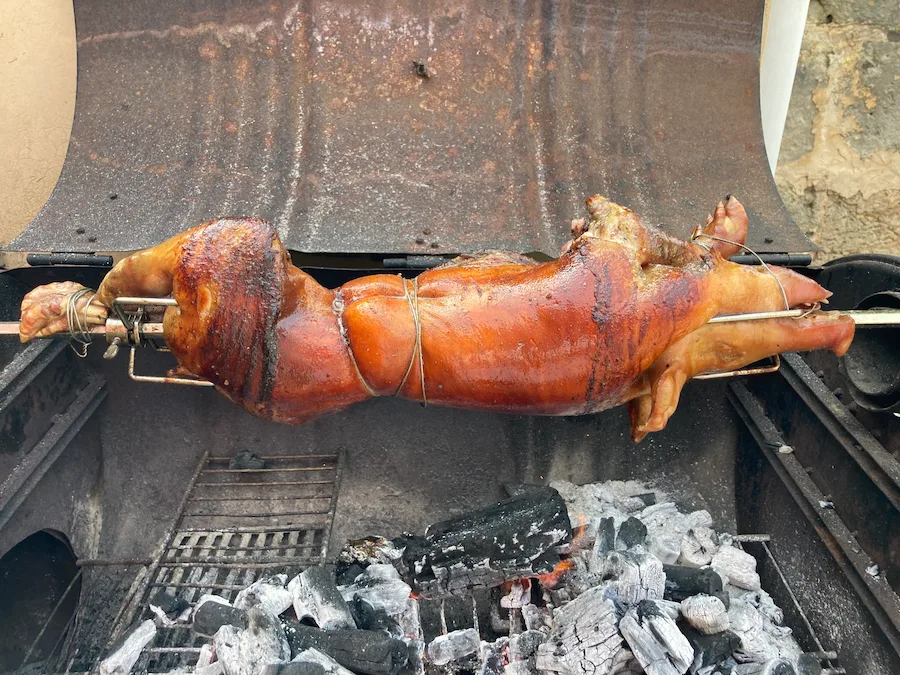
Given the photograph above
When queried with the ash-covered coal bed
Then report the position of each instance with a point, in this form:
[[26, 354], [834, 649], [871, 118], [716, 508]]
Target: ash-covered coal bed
[[577, 580]]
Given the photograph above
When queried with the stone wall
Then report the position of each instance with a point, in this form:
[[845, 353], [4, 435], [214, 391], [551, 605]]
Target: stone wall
[[839, 166]]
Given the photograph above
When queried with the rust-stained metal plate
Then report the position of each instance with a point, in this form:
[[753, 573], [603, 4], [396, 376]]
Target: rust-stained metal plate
[[313, 116]]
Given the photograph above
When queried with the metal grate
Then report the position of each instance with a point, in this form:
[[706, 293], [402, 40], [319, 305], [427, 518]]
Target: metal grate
[[234, 526]]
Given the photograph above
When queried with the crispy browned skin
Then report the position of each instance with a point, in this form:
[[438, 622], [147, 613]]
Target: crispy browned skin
[[620, 316]]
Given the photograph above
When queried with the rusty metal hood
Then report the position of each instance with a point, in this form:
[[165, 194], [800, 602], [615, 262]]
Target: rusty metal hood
[[313, 116]]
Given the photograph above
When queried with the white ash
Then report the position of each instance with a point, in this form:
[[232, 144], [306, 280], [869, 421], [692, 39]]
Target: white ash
[[122, 659]]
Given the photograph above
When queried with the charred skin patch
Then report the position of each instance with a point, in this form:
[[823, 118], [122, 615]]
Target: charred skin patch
[[229, 336]]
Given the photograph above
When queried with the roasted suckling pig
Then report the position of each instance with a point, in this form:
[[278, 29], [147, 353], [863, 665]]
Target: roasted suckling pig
[[620, 317]]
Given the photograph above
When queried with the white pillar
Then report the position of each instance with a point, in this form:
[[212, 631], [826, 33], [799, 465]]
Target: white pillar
[[782, 35]]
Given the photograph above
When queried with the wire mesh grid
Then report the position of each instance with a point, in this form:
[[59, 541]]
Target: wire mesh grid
[[234, 526]]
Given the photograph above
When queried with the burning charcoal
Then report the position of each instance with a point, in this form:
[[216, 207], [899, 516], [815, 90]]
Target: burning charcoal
[[246, 460], [519, 595], [244, 651], [698, 546], [633, 577], [706, 613], [606, 537], [655, 640], [516, 538], [522, 653], [711, 650], [584, 639], [410, 623], [123, 656], [773, 667], [631, 533], [737, 567], [367, 617], [213, 612], [268, 593], [453, 646], [381, 587], [536, 618], [683, 582], [316, 596], [492, 656], [415, 650], [312, 658], [362, 651]]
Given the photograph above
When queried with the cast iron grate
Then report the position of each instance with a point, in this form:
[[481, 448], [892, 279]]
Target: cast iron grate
[[234, 526]]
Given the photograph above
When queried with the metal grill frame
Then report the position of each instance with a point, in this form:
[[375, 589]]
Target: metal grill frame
[[201, 554]]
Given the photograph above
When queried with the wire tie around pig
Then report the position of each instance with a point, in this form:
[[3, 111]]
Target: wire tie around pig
[[79, 329], [413, 300], [338, 308], [749, 250]]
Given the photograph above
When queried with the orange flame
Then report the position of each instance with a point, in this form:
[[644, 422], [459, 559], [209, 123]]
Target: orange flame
[[579, 532], [551, 579]]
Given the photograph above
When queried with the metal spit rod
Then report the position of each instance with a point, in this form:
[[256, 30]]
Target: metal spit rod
[[113, 327], [116, 328]]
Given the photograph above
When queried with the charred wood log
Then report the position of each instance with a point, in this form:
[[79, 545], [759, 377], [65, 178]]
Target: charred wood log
[[585, 639], [362, 651], [634, 577], [516, 538]]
